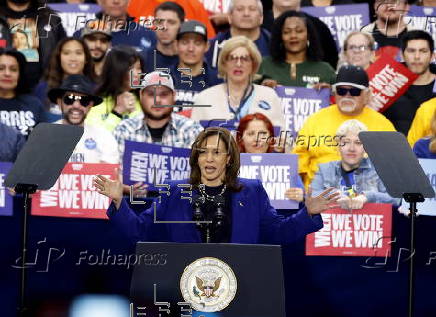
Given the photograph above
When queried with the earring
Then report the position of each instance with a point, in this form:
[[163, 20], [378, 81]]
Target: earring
[[308, 43]]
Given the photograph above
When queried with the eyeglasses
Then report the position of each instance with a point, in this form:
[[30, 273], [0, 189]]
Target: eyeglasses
[[84, 100], [341, 91], [358, 48], [242, 59]]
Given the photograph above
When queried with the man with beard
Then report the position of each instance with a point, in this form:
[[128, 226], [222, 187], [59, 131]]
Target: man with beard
[[317, 141], [75, 97], [125, 31], [158, 124], [417, 48], [99, 42], [389, 26]]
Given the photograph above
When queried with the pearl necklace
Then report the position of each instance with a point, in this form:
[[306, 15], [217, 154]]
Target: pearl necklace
[[202, 190]]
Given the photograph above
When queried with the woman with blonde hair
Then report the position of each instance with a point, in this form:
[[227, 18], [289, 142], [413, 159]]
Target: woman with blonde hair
[[358, 50], [238, 62], [353, 176]]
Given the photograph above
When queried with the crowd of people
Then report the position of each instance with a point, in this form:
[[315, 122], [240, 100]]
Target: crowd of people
[[110, 79]]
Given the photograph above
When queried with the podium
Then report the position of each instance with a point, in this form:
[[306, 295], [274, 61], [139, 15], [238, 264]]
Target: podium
[[226, 280]]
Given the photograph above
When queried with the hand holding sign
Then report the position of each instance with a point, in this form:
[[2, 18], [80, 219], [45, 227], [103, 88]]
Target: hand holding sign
[[269, 83], [356, 202], [325, 200], [109, 188]]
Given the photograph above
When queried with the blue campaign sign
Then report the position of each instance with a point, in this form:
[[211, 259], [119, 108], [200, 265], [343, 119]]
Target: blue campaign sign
[[5, 199], [299, 103], [277, 171], [422, 18], [341, 19], [154, 164], [74, 16]]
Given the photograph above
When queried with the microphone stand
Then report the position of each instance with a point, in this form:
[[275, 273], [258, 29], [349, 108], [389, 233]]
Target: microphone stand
[[204, 225]]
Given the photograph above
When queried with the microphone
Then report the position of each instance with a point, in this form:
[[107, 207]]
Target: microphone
[[198, 214], [219, 214]]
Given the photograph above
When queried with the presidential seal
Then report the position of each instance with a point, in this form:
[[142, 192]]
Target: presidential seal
[[209, 284]]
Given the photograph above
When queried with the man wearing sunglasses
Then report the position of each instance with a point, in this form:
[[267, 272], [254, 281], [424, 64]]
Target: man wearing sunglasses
[[75, 97], [317, 141]]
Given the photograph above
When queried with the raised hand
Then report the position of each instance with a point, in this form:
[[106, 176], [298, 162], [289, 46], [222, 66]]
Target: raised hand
[[125, 102], [326, 200], [110, 188]]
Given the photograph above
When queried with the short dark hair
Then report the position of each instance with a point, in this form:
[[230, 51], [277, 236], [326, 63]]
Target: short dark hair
[[416, 35], [232, 172], [172, 6], [314, 51], [22, 85]]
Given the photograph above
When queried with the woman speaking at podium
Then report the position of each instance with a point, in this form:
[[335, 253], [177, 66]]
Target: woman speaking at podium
[[214, 205]]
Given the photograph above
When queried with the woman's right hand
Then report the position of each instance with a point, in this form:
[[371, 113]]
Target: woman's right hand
[[110, 188], [125, 103]]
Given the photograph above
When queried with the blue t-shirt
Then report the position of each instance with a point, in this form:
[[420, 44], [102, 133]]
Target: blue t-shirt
[[212, 54], [133, 35], [22, 113], [162, 61], [421, 149], [11, 144], [187, 88]]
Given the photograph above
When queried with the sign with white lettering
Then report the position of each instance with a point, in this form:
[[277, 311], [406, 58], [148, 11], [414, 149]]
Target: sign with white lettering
[[74, 195], [277, 171], [388, 80], [341, 19], [363, 232]]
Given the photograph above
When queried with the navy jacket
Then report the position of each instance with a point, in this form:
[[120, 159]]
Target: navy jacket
[[216, 43], [11, 144], [254, 220]]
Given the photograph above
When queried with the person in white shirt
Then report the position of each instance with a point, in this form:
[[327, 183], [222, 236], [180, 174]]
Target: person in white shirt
[[75, 97]]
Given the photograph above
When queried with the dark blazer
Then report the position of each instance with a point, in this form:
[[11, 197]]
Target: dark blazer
[[254, 220]]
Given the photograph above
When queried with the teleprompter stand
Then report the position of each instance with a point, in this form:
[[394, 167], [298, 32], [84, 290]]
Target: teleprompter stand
[[38, 166], [403, 177]]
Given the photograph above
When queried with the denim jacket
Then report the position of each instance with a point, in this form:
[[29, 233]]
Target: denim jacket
[[366, 180]]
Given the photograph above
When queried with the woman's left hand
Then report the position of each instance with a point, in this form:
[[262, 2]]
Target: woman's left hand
[[326, 200]]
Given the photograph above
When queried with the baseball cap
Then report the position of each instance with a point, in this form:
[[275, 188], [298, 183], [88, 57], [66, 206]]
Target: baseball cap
[[157, 78], [93, 28], [350, 75], [193, 26]]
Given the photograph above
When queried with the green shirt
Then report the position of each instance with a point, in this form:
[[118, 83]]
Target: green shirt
[[308, 73], [101, 115]]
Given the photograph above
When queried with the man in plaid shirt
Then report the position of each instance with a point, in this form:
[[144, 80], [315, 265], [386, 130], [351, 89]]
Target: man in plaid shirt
[[158, 124]]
